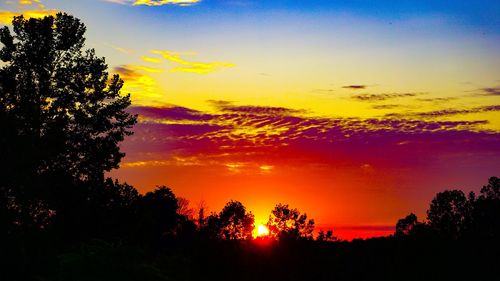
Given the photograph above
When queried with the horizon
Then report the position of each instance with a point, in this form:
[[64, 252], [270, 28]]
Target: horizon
[[356, 114]]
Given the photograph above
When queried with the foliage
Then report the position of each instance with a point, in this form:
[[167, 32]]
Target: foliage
[[406, 225], [61, 117], [232, 223], [289, 224], [486, 211], [158, 213], [449, 213], [326, 236], [491, 191]]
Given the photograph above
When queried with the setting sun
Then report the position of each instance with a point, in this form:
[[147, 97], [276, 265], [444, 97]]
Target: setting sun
[[262, 231]]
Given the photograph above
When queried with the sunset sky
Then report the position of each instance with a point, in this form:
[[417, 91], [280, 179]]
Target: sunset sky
[[356, 112]]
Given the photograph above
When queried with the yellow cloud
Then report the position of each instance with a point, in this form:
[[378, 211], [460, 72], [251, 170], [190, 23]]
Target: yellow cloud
[[6, 17], [147, 69], [155, 2], [191, 67], [165, 2], [140, 85], [150, 59], [38, 11]]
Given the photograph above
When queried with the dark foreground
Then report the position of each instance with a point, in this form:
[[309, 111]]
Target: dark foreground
[[375, 259]]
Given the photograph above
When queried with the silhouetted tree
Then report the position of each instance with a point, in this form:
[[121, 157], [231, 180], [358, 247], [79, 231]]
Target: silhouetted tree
[[406, 225], [158, 213], [491, 191], [449, 213], [486, 212], [232, 223], [61, 116], [184, 209], [326, 236], [289, 224]]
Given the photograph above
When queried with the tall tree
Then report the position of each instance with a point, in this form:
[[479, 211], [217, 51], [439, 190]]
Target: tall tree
[[289, 224], [232, 223], [61, 115], [449, 213], [158, 213], [487, 211]]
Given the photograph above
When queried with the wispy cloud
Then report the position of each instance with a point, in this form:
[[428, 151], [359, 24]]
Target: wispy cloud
[[150, 59], [29, 9], [155, 2], [226, 106], [138, 82], [386, 106], [183, 65], [437, 100], [30, 2], [355, 87], [448, 112], [493, 91], [265, 138], [120, 49], [383, 97]]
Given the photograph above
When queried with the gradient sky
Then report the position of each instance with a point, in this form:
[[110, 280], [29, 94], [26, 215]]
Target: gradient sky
[[356, 112]]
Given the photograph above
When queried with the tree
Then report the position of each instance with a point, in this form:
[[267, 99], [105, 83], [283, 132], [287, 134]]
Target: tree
[[405, 226], [289, 224], [184, 209], [491, 190], [449, 213], [61, 115], [487, 211], [158, 213], [232, 223], [326, 236]]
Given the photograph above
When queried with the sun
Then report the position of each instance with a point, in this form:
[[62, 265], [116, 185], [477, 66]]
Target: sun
[[262, 231]]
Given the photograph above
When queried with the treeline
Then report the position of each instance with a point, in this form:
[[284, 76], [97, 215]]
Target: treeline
[[453, 215]]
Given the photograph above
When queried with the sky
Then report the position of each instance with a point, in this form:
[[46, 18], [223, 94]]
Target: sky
[[355, 112]]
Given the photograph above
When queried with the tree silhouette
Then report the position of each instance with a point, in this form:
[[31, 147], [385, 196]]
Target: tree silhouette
[[487, 211], [326, 236], [406, 225], [158, 213], [491, 191], [232, 223], [289, 224], [449, 213], [184, 209], [61, 116]]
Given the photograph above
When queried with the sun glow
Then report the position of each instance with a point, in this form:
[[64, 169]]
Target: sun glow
[[262, 231]]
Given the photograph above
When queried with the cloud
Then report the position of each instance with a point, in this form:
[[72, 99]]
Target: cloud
[[383, 97], [138, 82], [156, 2], [448, 112], [150, 59], [146, 69], [257, 110], [170, 112], [494, 91], [120, 49], [28, 2], [386, 106], [29, 9], [254, 136], [438, 100], [355, 87], [183, 65]]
